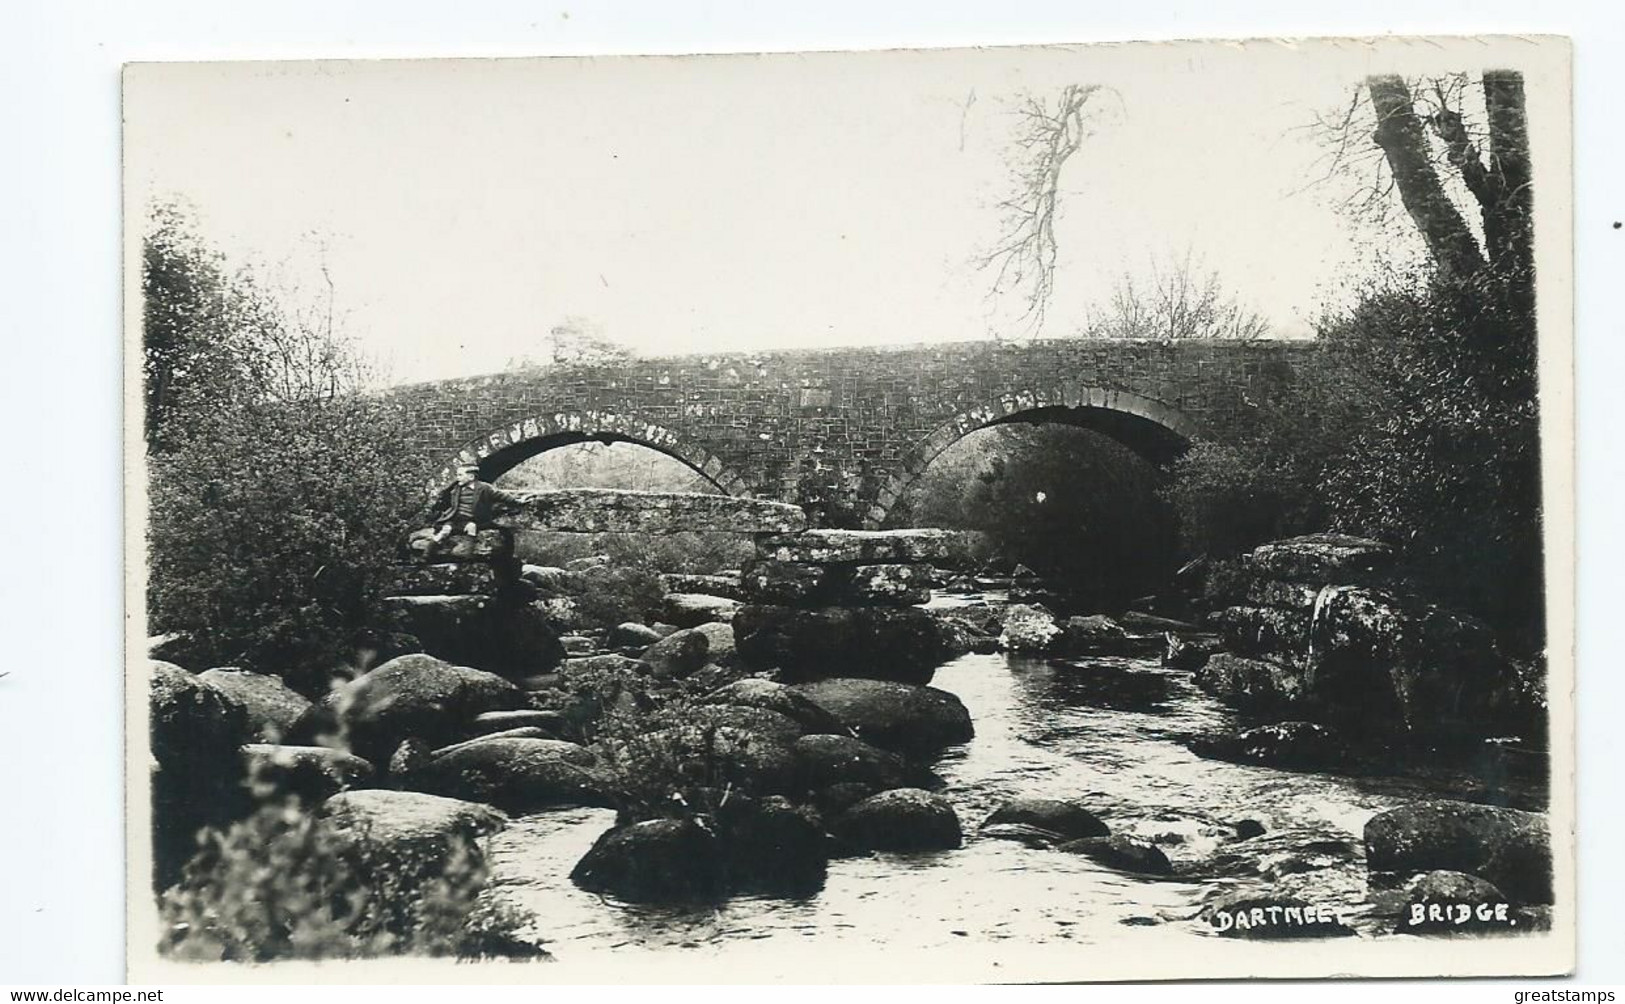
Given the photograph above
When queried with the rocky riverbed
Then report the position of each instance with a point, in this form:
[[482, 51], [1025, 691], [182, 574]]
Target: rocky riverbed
[[1109, 733]]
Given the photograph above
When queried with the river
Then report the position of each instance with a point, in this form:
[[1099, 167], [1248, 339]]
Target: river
[[1106, 732]]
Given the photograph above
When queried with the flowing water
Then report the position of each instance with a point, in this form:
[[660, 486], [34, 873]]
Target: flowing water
[[1107, 732]]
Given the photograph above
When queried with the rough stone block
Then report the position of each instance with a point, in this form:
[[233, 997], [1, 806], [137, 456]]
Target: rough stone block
[[727, 586], [884, 643], [890, 584], [1319, 558], [1277, 593], [792, 583], [485, 632], [450, 578], [1253, 685], [694, 609], [603, 510], [855, 547], [487, 545]]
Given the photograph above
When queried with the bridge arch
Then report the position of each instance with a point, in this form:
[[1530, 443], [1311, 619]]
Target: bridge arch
[[1151, 428], [503, 449]]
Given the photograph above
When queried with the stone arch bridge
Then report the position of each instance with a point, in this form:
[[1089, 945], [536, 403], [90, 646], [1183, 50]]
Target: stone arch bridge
[[862, 421]]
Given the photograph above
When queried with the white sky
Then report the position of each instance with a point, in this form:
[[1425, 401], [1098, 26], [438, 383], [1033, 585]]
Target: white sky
[[740, 203]]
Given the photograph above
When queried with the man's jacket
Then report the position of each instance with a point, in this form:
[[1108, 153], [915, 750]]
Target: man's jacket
[[475, 502]]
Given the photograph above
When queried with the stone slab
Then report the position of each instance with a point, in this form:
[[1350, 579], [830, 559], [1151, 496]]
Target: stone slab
[[1319, 558], [859, 547], [605, 510]]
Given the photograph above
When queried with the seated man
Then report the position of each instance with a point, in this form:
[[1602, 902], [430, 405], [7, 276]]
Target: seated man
[[468, 504]]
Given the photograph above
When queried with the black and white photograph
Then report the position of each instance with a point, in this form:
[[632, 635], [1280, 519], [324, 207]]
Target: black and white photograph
[[1011, 514]]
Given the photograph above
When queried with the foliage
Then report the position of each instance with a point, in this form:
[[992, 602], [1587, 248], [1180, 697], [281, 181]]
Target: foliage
[[286, 884], [199, 323], [278, 489], [671, 761], [1072, 504], [1419, 427]]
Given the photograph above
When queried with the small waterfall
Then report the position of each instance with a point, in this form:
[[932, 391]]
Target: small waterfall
[[1321, 599]]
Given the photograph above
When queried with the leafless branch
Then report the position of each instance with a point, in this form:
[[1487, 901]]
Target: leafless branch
[[1024, 255]]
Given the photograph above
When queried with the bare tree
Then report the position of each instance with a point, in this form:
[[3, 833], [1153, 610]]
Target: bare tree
[[1178, 301], [1023, 258], [1447, 146]]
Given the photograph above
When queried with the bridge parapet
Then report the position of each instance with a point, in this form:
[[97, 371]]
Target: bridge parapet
[[859, 423]]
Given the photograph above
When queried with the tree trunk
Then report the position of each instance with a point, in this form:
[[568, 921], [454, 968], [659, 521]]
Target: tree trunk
[[1399, 133], [1508, 218]]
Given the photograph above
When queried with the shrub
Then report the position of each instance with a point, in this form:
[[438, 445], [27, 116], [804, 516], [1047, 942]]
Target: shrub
[[670, 762], [1418, 425], [273, 529], [279, 491], [285, 884]]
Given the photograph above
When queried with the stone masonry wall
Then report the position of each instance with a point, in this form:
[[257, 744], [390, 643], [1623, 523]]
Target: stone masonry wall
[[865, 420]]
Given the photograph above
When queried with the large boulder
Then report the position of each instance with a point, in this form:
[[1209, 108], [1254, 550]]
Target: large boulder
[[1277, 593], [903, 644], [787, 583], [274, 708], [588, 668], [721, 645], [491, 722], [1095, 634], [502, 636], [901, 717], [632, 635], [727, 586], [1395, 665], [451, 578], [655, 861], [1273, 633], [1258, 686], [197, 772], [772, 847], [416, 696], [1029, 628], [1289, 745], [548, 578], [694, 609], [859, 547], [515, 775], [410, 835], [1129, 854], [780, 698], [1506, 847], [1319, 558], [889, 584], [679, 653], [487, 545], [903, 819], [824, 761], [313, 773], [1063, 818]]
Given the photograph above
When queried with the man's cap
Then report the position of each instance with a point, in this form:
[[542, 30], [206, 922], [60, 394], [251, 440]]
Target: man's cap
[[462, 468]]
